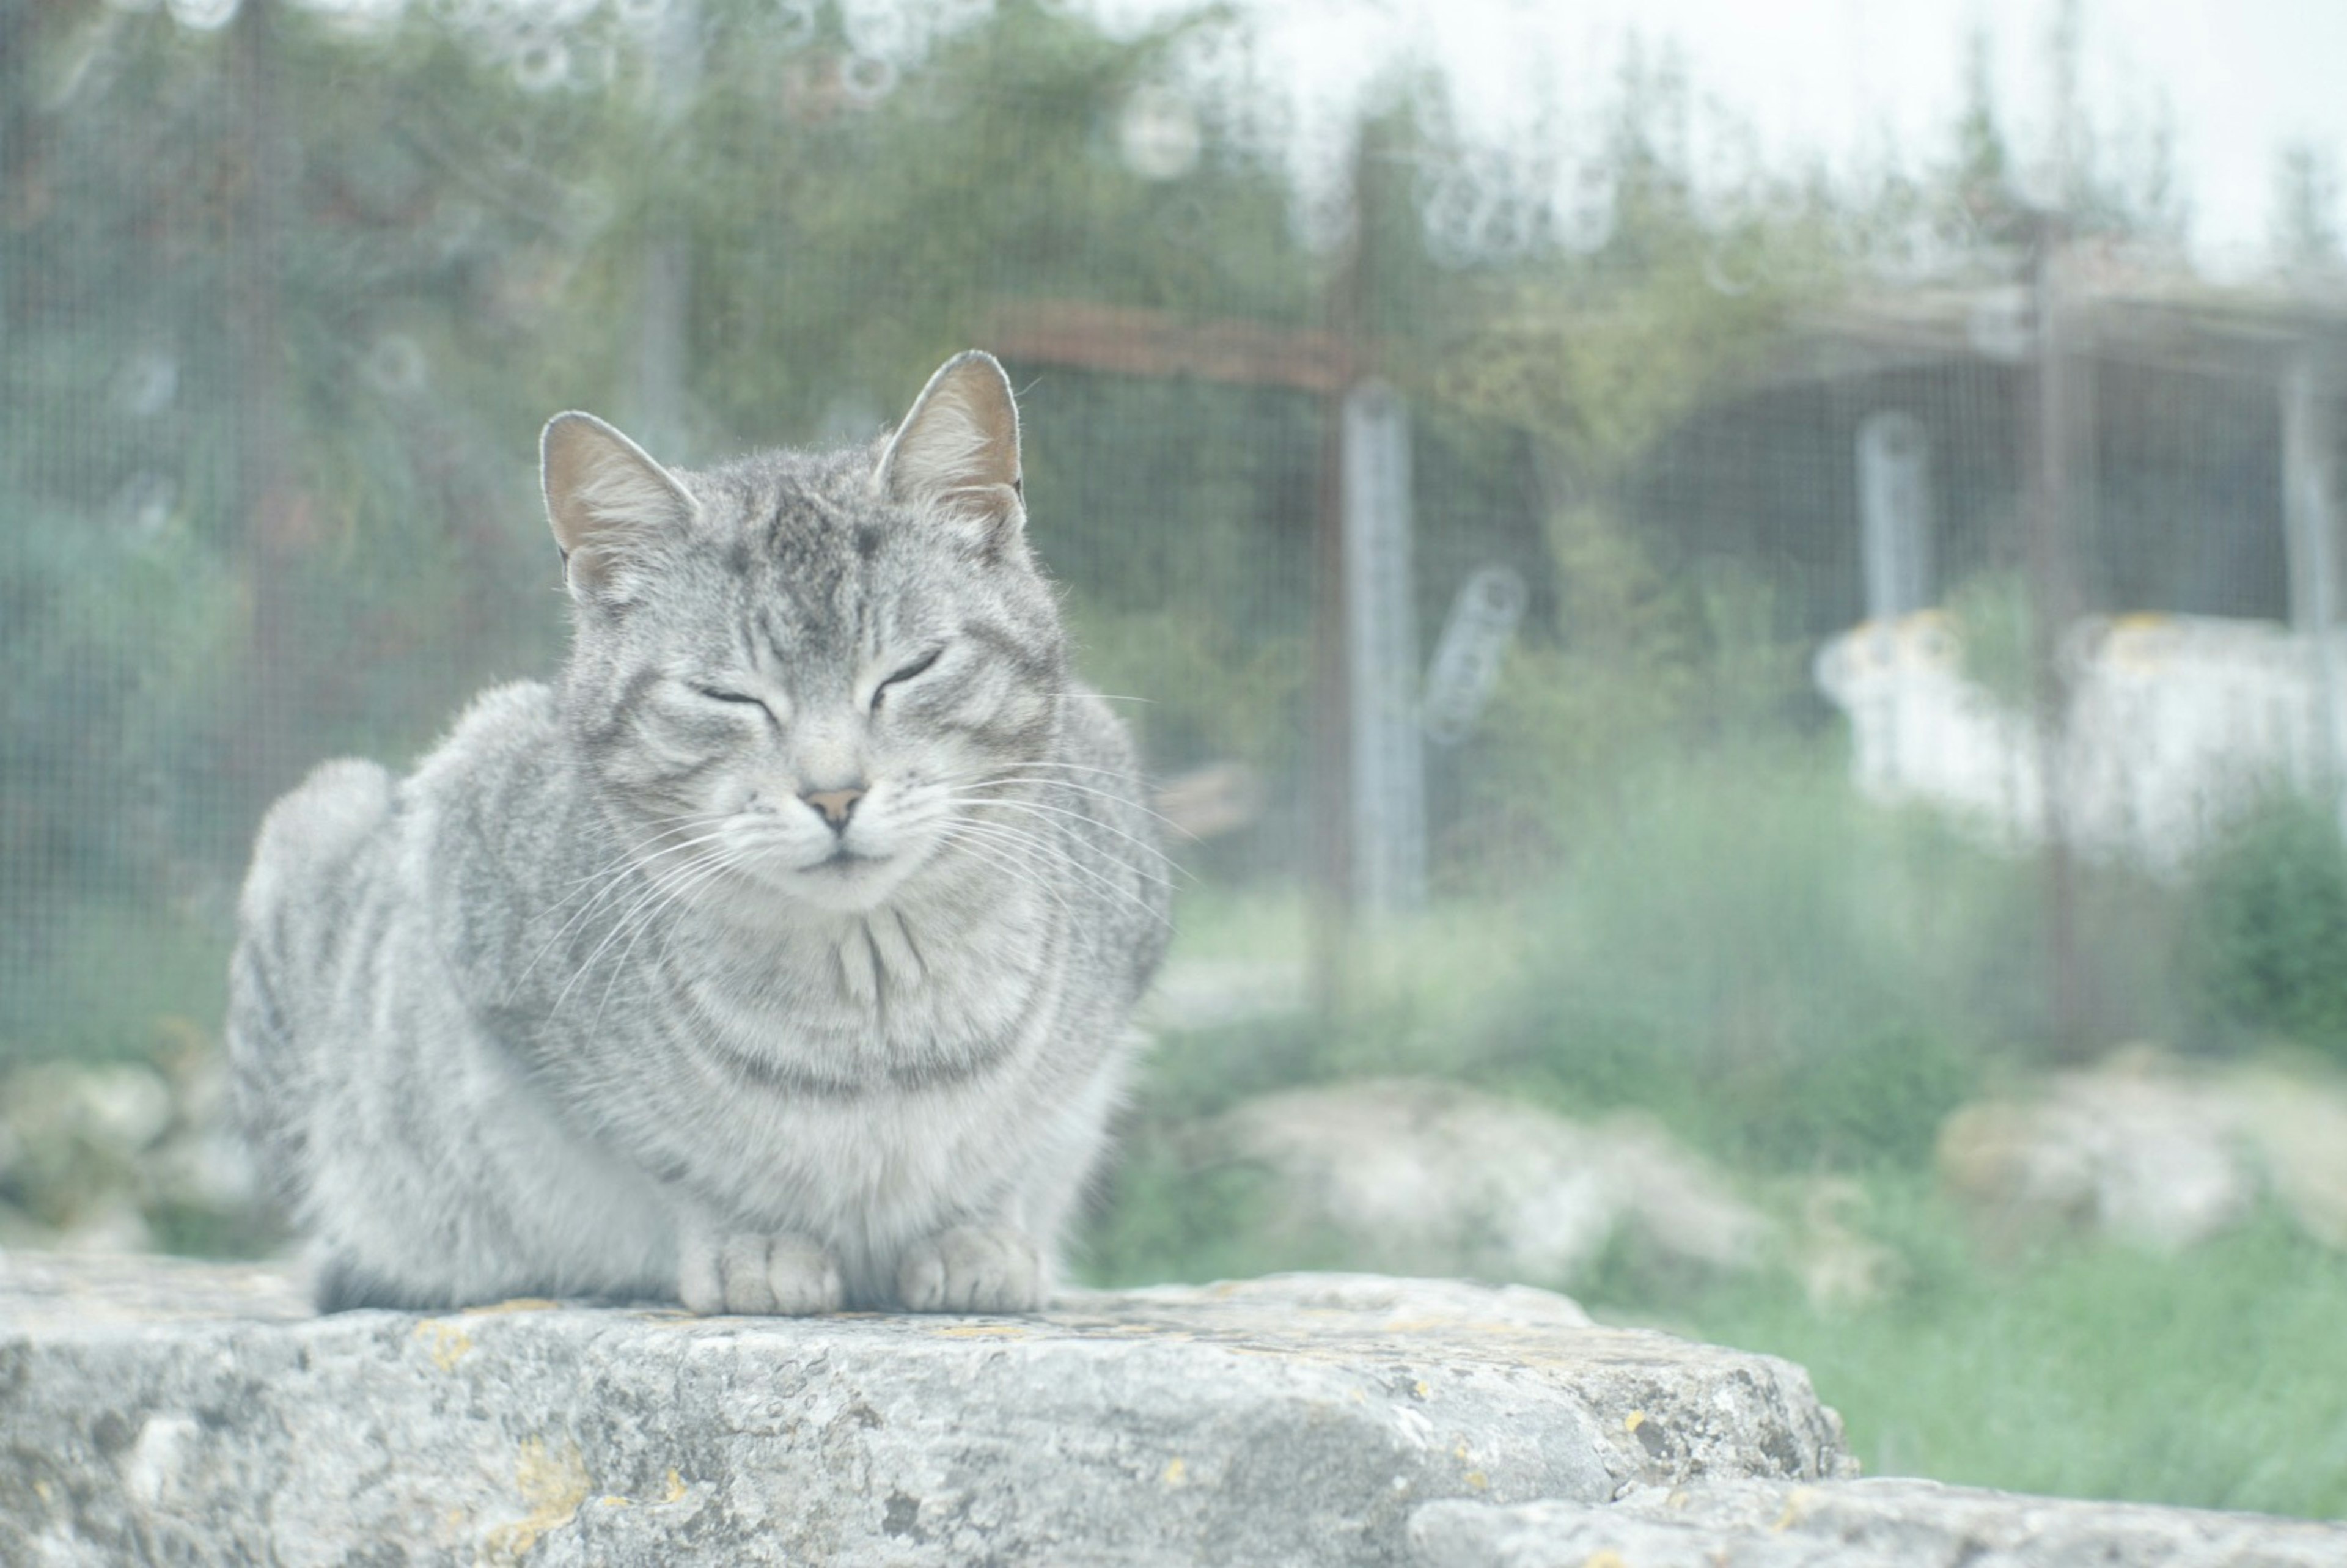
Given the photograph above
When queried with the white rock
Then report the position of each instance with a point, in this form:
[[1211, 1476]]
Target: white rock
[[2155, 1152], [1432, 1177]]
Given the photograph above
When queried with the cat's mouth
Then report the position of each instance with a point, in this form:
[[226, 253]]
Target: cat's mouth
[[850, 879]]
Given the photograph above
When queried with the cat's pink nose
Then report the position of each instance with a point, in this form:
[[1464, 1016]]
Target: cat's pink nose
[[836, 804]]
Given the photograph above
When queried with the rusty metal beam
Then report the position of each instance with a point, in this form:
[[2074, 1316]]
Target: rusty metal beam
[[1127, 341]]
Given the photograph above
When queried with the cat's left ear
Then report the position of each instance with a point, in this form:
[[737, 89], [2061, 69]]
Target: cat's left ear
[[958, 450]]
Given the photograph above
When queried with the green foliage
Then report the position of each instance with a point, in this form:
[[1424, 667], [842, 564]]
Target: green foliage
[[1157, 504], [1162, 1205], [2306, 237], [109, 639], [1602, 358], [1599, 354], [842, 249], [1737, 947], [1739, 943], [1996, 636], [99, 970], [2268, 943], [1650, 668], [2099, 1372]]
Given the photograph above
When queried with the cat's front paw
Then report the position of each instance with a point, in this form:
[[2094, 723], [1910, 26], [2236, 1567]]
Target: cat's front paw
[[972, 1268], [744, 1272]]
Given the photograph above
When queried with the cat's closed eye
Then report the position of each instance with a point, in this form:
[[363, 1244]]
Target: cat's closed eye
[[720, 694], [904, 674]]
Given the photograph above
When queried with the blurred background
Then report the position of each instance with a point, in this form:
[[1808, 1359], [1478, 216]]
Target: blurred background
[[1738, 618]]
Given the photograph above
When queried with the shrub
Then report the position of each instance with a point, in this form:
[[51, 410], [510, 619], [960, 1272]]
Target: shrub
[[2268, 944]]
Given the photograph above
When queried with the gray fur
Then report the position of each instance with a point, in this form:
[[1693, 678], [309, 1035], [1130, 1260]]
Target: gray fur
[[579, 1007]]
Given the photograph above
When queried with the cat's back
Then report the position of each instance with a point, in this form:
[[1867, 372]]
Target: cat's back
[[316, 843], [345, 853], [504, 751], [307, 856], [311, 862], [339, 878]]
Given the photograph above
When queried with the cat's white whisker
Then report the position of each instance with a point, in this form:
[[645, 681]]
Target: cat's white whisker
[[1049, 825], [1124, 802], [1012, 803], [657, 888], [1022, 838], [685, 884], [617, 875], [1010, 865]]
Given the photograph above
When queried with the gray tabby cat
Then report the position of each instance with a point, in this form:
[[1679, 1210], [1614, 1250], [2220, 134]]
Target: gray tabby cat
[[778, 958]]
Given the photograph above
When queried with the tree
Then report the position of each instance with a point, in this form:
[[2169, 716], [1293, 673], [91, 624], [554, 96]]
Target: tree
[[2306, 214]]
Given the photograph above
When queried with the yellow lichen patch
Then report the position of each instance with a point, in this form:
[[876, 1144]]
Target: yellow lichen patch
[[1420, 1391], [518, 1303], [984, 1331], [1603, 1557], [1634, 1421], [444, 1342], [1477, 1480], [1796, 1504], [552, 1485], [612, 1502], [675, 1492], [1177, 1472]]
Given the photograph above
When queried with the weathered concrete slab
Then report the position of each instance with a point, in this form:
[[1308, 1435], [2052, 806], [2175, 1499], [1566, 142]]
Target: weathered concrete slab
[[184, 1413], [1878, 1523]]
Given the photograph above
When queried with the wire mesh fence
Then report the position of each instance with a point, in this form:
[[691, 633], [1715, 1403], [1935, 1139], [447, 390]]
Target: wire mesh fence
[[1868, 614], [288, 290]]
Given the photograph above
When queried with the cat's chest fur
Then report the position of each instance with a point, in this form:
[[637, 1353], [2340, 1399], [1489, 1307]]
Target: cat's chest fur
[[903, 997], [860, 1068]]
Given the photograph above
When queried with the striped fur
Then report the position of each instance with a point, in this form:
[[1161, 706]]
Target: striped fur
[[595, 1002]]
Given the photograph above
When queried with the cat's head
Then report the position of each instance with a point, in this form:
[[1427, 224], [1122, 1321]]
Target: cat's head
[[808, 675]]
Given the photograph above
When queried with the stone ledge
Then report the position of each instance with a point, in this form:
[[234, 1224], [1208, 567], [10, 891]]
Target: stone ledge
[[1878, 1523], [159, 1411]]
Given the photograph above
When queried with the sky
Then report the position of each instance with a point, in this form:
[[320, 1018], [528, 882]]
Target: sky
[[1844, 80]]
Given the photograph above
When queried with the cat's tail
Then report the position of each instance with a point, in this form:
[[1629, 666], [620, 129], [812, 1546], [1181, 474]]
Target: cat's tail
[[293, 917]]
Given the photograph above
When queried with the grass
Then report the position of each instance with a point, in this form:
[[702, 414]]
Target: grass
[[1797, 988], [2215, 1379]]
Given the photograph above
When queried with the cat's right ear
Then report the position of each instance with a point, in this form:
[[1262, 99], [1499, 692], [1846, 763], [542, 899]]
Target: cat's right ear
[[606, 500]]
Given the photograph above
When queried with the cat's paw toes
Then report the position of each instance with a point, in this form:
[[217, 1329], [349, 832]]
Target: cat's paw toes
[[769, 1275], [972, 1268]]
